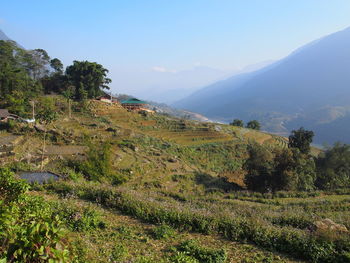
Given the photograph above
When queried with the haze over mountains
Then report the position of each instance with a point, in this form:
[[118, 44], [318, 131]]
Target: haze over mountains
[[3, 36], [310, 88], [168, 86]]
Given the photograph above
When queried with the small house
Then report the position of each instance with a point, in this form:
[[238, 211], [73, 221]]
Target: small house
[[5, 115], [108, 99], [134, 104]]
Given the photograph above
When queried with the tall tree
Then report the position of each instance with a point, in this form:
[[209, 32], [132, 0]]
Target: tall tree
[[57, 66], [301, 139], [16, 86], [37, 62], [89, 78]]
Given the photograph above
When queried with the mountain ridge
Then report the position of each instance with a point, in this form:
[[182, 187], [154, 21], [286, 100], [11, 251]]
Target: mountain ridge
[[310, 78]]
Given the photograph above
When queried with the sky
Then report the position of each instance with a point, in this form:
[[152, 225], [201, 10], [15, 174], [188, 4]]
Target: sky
[[134, 39]]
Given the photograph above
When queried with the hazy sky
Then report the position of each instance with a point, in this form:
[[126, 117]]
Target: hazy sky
[[133, 37]]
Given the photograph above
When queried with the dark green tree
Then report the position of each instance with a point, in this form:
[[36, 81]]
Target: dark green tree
[[16, 86], [88, 78], [301, 139], [279, 169], [259, 167], [293, 171], [333, 167], [237, 122], [57, 66], [254, 124]]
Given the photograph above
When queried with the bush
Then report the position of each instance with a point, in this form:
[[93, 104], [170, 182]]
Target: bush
[[163, 232], [29, 231], [204, 255], [183, 257], [81, 220]]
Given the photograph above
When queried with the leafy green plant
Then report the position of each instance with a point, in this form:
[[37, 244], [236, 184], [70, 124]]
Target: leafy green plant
[[29, 232], [202, 254], [163, 232]]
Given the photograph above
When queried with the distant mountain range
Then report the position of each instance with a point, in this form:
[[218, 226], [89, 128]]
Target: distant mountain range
[[310, 88], [168, 86]]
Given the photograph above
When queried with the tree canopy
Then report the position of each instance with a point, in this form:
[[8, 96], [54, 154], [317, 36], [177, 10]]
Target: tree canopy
[[88, 78], [301, 139], [237, 122], [254, 124], [26, 74], [333, 167]]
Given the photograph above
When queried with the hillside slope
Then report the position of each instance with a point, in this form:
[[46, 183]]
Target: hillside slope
[[288, 93], [170, 180]]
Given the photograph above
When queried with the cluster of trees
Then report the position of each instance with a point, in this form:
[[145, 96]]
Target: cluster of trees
[[254, 124], [295, 169], [26, 74]]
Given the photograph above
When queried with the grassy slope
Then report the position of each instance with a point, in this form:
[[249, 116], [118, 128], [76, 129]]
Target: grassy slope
[[174, 162]]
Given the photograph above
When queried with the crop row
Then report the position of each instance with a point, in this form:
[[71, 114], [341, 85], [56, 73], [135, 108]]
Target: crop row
[[291, 241]]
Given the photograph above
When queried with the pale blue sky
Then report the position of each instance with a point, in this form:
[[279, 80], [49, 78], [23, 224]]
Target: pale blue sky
[[131, 37]]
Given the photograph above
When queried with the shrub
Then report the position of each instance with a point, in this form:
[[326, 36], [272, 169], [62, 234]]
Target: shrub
[[119, 252], [84, 219], [204, 255], [29, 232], [163, 232], [183, 257]]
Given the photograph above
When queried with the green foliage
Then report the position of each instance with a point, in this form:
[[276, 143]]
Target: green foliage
[[119, 252], [29, 232], [237, 122], [183, 257], [245, 228], [16, 83], [301, 139], [11, 189], [202, 254], [98, 165], [47, 112], [88, 78], [254, 124], [281, 169], [163, 232], [260, 166], [333, 167], [84, 219], [57, 65]]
